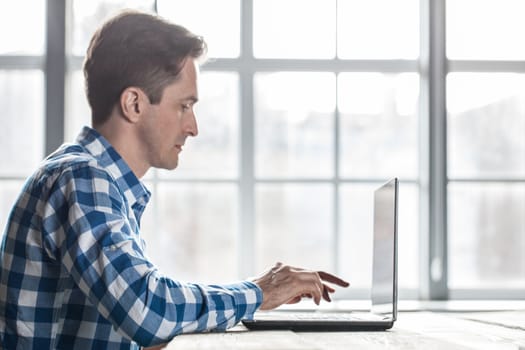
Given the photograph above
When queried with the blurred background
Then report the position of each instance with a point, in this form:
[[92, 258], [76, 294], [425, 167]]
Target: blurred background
[[305, 107]]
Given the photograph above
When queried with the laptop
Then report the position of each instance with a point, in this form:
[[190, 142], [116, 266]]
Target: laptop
[[383, 313]]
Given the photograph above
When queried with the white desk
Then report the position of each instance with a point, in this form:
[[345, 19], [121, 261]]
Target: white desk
[[413, 330]]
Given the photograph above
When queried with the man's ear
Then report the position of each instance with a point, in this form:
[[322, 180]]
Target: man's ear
[[132, 103]]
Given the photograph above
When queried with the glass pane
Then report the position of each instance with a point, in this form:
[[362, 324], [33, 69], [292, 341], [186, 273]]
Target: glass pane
[[23, 30], [22, 131], [9, 191], [294, 121], [378, 29], [311, 34], [219, 22], [485, 30], [191, 228], [486, 124], [379, 128], [78, 111], [89, 15], [356, 236], [294, 226], [486, 235], [214, 152]]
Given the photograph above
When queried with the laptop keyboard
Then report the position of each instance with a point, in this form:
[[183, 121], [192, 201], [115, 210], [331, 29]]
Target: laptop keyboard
[[320, 316], [327, 317]]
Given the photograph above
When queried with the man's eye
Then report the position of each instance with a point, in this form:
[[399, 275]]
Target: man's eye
[[186, 107]]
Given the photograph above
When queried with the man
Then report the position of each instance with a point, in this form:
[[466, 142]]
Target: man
[[73, 271]]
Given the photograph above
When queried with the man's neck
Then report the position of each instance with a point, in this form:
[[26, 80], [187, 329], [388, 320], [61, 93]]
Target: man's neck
[[122, 139]]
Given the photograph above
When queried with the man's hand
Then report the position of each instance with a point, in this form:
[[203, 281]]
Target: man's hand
[[285, 284], [158, 347]]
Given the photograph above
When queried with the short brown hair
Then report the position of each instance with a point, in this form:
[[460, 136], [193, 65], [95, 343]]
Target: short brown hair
[[135, 49]]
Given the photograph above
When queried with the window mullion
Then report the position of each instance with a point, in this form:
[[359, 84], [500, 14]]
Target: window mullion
[[55, 69], [246, 210], [433, 151]]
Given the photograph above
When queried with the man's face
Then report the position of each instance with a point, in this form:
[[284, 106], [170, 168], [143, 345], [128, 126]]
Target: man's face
[[166, 125]]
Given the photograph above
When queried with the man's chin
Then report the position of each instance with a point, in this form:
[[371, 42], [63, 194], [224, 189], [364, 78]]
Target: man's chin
[[172, 166], [168, 166]]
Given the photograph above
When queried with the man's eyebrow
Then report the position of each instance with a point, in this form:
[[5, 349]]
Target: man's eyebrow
[[191, 98]]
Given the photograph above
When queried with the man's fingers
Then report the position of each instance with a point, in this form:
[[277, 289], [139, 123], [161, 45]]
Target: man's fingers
[[330, 289], [317, 299], [319, 290], [286, 284], [294, 300], [325, 276], [311, 287], [326, 294]]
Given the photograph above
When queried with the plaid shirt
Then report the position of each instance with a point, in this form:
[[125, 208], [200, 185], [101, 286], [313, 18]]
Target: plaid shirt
[[73, 272]]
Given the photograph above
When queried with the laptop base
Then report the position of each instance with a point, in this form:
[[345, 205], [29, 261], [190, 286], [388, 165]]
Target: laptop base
[[318, 326]]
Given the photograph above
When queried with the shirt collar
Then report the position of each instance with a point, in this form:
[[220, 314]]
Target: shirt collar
[[100, 148]]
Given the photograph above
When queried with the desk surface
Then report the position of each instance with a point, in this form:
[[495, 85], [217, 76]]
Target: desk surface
[[413, 330]]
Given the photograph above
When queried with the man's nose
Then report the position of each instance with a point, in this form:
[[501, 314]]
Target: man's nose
[[192, 128]]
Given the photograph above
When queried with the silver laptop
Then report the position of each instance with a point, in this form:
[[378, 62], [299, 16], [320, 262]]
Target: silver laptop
[[384, 282]]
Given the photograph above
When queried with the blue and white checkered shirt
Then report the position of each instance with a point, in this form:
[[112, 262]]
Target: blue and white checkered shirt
[[73, 273]]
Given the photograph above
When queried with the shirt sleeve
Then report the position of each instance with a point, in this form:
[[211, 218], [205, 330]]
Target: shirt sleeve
[[99, 250]]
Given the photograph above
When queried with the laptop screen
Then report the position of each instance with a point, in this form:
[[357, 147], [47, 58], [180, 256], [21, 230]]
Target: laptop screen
[[384, 270]]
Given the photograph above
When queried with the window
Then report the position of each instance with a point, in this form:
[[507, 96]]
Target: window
[[297, 126], [23, 96], [377, 29], [312, 34], [470, 38], [486, 147], [294, 124], [29, 39], [219, 24], [299, 130]]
